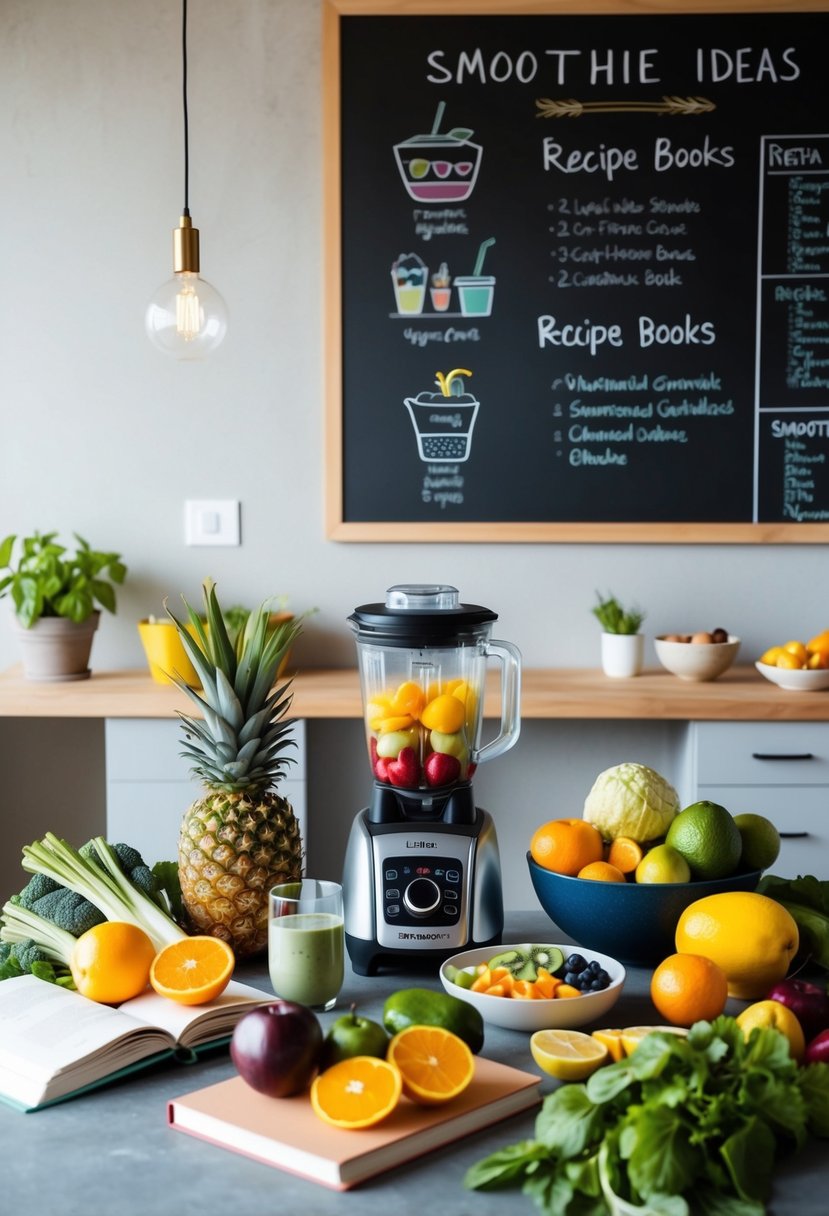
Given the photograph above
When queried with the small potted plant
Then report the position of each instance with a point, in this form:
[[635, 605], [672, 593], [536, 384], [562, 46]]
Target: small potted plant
[[57, 598], [623, 646]]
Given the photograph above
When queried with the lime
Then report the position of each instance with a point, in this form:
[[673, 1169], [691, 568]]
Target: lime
[[663, 864], [761, 841], [423, 1007], [708, 838], [353, 1035]]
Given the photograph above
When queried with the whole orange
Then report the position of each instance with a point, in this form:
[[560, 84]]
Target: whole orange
[[566, 845], [601, 871], [688, 988], [111, 962]]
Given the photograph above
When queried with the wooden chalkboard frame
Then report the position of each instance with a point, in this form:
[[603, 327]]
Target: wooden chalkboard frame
[[337, 527]]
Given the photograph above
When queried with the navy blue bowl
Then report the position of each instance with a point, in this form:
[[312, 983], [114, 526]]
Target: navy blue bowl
[[633, 922]]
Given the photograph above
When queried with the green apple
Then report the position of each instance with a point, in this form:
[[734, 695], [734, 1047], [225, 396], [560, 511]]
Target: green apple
[[353, 1035], [391, 744], [450, 745]]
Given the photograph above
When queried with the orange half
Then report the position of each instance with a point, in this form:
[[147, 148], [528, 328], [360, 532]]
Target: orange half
[[356, 1093], [194, 970], [435, 1064]]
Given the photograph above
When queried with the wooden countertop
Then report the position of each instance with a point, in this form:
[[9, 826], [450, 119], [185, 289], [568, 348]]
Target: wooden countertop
[[566, 693]]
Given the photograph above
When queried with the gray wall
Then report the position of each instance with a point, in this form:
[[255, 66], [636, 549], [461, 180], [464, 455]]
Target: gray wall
[[101, 435]]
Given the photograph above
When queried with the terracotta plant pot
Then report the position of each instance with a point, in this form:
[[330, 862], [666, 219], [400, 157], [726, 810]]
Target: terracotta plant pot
[[54, 648]]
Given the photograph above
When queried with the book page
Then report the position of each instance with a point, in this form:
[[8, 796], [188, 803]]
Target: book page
[[194, 1025], [50, 1031]]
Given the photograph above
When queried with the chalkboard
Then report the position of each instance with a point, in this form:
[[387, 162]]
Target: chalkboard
[[577, 272]]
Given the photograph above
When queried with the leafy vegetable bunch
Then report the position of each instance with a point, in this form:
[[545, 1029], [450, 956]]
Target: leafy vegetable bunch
[[73, 890], [47, 581], [681, 1126], [807, 899]]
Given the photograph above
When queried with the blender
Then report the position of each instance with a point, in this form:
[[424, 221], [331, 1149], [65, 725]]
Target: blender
[[422, 875]]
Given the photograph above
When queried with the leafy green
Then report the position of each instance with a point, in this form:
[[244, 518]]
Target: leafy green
[[27, 958], [613, 618], [167, 880], [682, 1125], [807, 899], [48, 582]]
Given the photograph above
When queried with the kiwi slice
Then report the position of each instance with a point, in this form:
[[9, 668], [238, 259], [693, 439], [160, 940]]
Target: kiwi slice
[[514, 960], [548, 957]]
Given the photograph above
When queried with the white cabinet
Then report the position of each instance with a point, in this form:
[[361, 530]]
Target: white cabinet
[[776, 769], [149, 786]]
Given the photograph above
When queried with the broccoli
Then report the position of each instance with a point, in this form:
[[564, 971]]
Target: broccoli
[[48, 917], [27, 958]]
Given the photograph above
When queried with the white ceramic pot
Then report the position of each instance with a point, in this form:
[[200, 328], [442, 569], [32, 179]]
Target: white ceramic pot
[[622, 654], [57, 649]]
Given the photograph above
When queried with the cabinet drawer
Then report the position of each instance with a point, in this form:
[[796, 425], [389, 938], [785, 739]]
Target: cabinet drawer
[[800, 815], [762, 753]]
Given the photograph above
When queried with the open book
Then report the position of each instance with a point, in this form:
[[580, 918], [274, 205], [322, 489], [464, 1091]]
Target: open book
[[286, 1133], [56, 1043]]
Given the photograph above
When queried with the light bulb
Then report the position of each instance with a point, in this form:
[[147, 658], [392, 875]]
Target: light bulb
[[186, 318]]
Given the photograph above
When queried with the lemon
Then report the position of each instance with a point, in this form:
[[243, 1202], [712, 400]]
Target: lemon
[[632, 1036], [663, 864], [751, 937], [708, 838], [761, 841], [779, 1017], [569, 1055]]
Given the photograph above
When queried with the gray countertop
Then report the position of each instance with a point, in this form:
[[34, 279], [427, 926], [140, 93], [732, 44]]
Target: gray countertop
[[111, 1150]]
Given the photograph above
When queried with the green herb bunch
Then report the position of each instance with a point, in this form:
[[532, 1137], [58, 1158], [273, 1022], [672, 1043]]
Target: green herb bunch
[[48, 582], [613, 618], [682, 1127]]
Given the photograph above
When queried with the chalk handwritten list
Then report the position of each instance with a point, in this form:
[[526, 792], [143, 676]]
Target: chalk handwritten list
[[585, 269], [793, 330]]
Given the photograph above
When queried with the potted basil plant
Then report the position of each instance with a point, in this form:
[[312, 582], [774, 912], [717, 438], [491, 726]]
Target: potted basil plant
[[57, 596], [623, 646]]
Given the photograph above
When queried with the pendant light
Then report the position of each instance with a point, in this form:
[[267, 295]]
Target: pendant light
[[186, 317]]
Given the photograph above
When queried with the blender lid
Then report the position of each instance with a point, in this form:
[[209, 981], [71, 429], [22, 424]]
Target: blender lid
[[420, 614]]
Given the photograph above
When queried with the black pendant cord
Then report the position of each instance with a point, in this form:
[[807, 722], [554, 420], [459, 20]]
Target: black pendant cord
[[184, 102]]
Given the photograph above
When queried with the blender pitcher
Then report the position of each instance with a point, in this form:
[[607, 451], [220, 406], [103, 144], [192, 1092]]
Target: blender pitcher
[[422, 872], [423, 661]]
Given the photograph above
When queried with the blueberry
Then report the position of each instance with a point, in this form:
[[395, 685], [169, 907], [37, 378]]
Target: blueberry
[[597, 985], [575, 963], [594, 968], [604, 977]]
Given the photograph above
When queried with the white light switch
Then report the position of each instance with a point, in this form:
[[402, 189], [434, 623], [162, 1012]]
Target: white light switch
[[212, 522]]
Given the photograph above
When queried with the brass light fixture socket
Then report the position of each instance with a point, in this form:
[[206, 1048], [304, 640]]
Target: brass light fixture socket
[[185, 247]]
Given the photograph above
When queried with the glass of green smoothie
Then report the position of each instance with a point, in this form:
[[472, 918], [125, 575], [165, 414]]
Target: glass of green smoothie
[[305, 942]]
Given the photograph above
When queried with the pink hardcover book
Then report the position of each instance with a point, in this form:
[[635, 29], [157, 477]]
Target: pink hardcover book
[[286, 1133]]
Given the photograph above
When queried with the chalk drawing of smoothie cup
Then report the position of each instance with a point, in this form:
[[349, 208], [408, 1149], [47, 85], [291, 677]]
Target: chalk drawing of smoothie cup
[[409, 275], [443, 421], [476, 290], [441, 289], [439, 168]]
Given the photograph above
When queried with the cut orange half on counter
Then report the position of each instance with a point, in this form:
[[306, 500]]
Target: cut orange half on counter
[[435, 1064], [569, 1055], [193, 971], [356, 1093]]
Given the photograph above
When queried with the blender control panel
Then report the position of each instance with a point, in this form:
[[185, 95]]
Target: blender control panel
[[421, 890]]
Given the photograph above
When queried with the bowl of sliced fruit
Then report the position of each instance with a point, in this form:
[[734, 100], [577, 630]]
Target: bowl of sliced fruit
[[535, 986]]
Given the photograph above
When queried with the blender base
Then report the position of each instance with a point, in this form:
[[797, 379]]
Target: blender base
[[415, 893]]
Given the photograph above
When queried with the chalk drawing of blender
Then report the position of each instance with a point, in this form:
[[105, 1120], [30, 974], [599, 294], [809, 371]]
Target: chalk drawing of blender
[[443, 421]]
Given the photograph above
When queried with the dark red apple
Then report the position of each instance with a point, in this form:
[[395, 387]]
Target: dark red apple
[[808, 1002], [817, 1052], [276, 1048]]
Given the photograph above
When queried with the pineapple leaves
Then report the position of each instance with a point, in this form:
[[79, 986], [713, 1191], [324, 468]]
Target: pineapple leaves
[[220, 647]]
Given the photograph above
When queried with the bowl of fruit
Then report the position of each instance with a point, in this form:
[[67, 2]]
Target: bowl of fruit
[[618, 879], [697, 656], [798, 666], [535, 986]]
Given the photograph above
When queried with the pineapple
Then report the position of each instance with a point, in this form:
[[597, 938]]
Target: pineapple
[[241, 838]]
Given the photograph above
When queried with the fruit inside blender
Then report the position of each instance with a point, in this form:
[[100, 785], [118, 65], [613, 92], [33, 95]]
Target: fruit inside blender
[[421, 732]]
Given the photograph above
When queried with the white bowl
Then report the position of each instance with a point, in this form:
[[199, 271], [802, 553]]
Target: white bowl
[[794, 681], [531, 1015], [697, 660]]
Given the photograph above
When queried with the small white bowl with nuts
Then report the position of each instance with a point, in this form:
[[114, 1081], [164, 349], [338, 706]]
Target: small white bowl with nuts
[[697, 656]]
